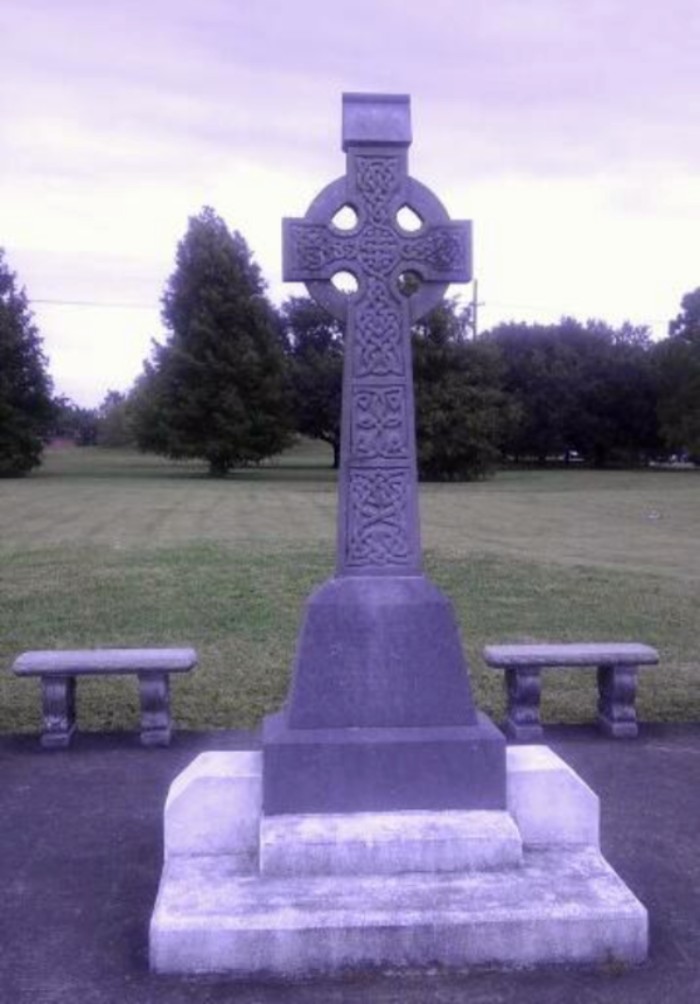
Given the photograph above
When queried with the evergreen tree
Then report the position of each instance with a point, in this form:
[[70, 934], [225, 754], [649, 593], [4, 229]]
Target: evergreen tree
[[216, 389], [26, 409]]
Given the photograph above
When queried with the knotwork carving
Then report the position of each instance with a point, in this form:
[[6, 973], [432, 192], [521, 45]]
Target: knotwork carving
[[378, 346], [379, 250], [443, 249], [377, 179], [377, 518], [316, 248], [379, 424]]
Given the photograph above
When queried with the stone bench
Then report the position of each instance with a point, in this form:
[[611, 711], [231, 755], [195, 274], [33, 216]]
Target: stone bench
[[58, 672], [617, 665]]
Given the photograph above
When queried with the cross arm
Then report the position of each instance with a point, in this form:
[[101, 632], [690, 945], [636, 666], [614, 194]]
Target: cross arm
[[313, 251], [442, 254]]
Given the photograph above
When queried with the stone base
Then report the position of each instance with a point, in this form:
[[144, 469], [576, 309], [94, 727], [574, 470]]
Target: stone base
[[390, 843], [374, 769], [523, 733], [57, 739], [616, 729], [157, 737], [291, 895], [559, 906]]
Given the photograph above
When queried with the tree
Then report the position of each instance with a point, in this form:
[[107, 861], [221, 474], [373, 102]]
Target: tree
[[114, 424], [534, 379], [315, 347], [584, 387], [216, 389], [686, 325], [461, 410], [149, 409], [73, 422], [677, 361], [26, 409], [612, 391]]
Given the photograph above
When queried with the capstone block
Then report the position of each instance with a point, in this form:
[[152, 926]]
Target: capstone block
[[550, 803], [213, 807]]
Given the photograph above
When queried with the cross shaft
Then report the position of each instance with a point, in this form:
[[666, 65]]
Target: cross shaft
[[378, 526]]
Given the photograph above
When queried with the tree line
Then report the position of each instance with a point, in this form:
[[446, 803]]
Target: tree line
[[236, 379]]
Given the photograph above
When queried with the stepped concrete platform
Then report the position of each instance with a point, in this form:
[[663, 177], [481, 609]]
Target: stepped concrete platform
[[558, 906], [288, 896], [82, 839]]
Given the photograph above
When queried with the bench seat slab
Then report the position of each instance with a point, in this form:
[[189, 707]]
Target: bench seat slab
[[105, 661], [553, 654]]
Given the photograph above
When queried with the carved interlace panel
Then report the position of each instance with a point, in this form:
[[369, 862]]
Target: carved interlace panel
[[378, 518], [378, 343], [317, 248], [379, 250], [443, 249], [379, 426], [378, 178]]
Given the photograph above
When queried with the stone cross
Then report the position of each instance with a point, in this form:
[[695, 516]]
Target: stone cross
[[379, 714], [378, 527]]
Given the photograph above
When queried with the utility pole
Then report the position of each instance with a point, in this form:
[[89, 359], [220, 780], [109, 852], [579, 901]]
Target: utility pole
[[473, 309]]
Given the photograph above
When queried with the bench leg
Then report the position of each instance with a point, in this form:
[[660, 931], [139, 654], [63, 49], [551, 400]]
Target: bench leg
[[617, 690], [523, 689], [58, 711], [154, 693]]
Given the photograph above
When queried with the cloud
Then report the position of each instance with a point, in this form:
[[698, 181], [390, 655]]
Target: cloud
[[565, 129]]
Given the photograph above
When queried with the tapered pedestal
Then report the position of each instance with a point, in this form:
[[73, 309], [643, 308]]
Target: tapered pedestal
[[380, 714]]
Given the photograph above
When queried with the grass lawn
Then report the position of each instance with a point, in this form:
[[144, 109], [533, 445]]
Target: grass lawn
[[105, 548]]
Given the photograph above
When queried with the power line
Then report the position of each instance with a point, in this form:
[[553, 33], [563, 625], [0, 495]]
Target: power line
[[472, 306], [558, 309], [95, 303]]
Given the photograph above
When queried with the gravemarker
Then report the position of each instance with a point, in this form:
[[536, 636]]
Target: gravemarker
[[384, 823], [380, 713]]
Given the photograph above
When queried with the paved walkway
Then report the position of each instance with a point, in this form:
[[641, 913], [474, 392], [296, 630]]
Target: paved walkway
[[80, 856]]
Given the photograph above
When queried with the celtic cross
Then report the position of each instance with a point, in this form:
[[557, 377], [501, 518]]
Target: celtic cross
[[378, 528]]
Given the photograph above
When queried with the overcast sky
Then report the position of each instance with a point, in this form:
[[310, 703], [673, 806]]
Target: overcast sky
[[568, 130]]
